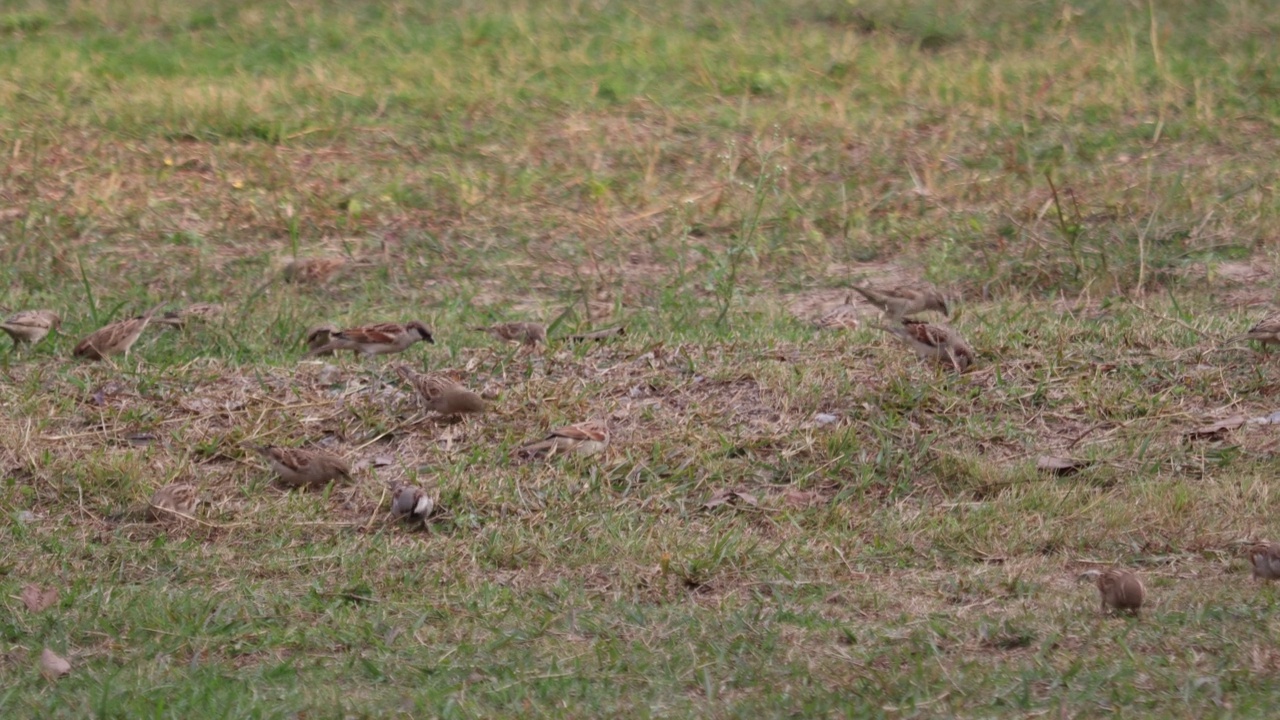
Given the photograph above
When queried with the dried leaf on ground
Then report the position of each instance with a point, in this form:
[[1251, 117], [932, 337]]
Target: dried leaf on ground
[[37, 598], [1216, 430], [52, 665], [728, 497], [1060, 466]]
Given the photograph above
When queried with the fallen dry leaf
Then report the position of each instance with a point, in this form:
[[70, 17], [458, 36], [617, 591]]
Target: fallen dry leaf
[[801, 498], [37, 598], [724, 497], [1060, 466], [1217, 430], [52, 665]]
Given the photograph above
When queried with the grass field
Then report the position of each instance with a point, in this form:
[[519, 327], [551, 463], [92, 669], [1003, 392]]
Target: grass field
[[1095, 183]]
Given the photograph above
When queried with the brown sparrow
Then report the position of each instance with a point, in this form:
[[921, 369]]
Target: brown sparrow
[[313, 271], [1120, 589], [318, 336], [844, 316], [937, 343], [1265, 559], [114, 339], [441, 394], [412, 502], [376, 339], [1266, 332], [586, 438], [526, 333], [297, 467], [30, 326], [904, 300], [173, 502], [198, 312]]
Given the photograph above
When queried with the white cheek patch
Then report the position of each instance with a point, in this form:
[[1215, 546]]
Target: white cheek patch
[[423, 506]]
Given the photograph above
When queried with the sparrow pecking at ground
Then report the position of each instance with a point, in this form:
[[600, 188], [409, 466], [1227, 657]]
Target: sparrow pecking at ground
[[586, 438], [440, 394], [379, 339], [30, 326], [173, 502], [1121, 590], [409, 502], [843, 316], [1266, 332], [199, 312], [1264, 557], [903, 301], [525, 333], [304, 468], [936, 343], [114, 339]]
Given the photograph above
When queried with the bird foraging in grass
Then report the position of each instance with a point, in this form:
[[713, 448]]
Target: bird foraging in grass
[[1120, 590], [30, 326], [409, 502], [313, 271], [173, 502], [114, 339], [304, 468], [199, 312], [586, 438], [934, 343], [441, 394], [1266, 332], [525, 333], [1264, 558], [381, 339], [903, 301]]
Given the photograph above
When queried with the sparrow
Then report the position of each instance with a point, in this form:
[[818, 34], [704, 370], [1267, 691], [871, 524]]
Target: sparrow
[[526, 333], [412, 502], [1266, 332], [376, 339], [844, 316], [197, 312], [1120, 590], [586, 438], [904, 300], [1265, 559], [318, 336], [441, 394], [297, 467], [114, 339], [173, 501], [313, 271], [937, 343], [30, 326]]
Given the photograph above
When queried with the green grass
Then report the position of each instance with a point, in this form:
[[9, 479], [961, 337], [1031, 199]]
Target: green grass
[[1095, 184]]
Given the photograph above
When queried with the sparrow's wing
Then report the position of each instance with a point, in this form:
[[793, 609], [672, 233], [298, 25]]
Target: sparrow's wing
[[381, 334], [31, 319]]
